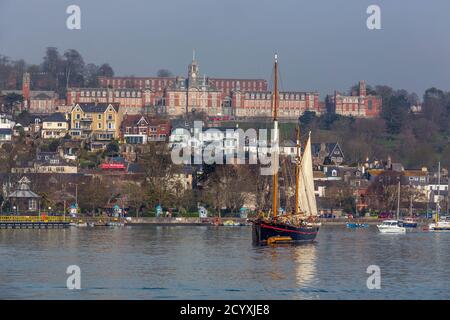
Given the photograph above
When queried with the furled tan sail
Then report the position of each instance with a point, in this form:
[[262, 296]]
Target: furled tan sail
[[307, 198]]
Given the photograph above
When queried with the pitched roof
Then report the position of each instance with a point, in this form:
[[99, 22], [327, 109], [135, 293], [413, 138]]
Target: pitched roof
[[42, 96], [23, 190], [131, 119], [97, 107], [55, 117], [329, 147]]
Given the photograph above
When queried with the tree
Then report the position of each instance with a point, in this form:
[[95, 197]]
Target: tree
[[164, 73], [159, 170], [435, 104], [105, 70], [93, 195], [73, 68], [24, 117], [135, 196], [394, 111], [12, 101], [92, 72], [228, 186], [112, 148], [382, 193], [307, 118], [52, 65], [90, 75]]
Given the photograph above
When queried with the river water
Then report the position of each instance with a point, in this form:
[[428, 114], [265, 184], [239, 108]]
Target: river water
[[186, 262]]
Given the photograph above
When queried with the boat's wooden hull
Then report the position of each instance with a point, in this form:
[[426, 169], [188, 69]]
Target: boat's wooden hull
[[262, 231]]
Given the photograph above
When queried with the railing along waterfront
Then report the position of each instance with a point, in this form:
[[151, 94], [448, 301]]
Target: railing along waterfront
[[33, 219]]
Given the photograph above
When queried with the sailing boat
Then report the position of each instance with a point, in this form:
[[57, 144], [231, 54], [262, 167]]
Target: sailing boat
[[393, 226], [443, 223], [409, 222], [299, 226]]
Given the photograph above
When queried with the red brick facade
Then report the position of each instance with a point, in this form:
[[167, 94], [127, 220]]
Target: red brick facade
[[359, 105], [132, 101], [153, 129], [259, 104]]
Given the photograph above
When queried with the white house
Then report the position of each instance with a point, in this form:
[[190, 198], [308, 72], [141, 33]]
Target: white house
[[6, 128]]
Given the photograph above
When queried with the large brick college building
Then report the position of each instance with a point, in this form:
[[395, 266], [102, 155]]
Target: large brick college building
[[172, 95], [176, 96]]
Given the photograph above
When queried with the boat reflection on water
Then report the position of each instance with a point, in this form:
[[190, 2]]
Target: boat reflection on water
[[305, 258], [296, 277]]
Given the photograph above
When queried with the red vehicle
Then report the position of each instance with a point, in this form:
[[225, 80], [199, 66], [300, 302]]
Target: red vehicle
[[385, 215]]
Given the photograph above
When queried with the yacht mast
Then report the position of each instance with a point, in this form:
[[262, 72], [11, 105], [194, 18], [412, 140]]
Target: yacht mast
[[398, 201], [275, 140], [297, 171], [439, 193]]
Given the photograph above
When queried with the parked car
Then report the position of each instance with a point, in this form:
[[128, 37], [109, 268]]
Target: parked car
[[385, 215]]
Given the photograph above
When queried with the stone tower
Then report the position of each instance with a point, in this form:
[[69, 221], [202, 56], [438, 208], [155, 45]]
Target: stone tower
[[26, 84], [193, 71], [362, 88]]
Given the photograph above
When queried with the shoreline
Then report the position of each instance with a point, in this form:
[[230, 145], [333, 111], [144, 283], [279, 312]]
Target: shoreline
[[185, 221]]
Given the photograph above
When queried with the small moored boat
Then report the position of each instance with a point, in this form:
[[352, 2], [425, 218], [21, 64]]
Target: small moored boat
[[231, 223], [78, 224], [442, 224], [408, 223], [354, 225], [391, 226]]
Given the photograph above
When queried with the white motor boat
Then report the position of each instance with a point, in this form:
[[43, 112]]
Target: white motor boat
[[78, 224], [442, 225], [391, 226]]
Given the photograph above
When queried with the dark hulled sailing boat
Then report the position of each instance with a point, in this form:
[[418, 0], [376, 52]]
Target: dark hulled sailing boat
[[299, 226]]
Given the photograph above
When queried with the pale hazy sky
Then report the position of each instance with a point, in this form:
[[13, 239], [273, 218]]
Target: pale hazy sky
[[322, 44]]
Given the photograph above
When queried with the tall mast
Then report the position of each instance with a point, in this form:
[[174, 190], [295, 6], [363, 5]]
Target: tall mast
[[410, 204], [398, 201], [275, 139], [439, 193], [297, 171]]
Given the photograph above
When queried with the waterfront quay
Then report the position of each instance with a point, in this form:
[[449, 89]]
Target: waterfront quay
[[192, 221], [33, 222], [52, 222]]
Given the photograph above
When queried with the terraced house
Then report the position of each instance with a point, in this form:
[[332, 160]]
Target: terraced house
[[100, 123]]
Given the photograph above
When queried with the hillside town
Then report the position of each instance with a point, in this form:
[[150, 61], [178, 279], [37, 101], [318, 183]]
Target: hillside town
[[106, 145]]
